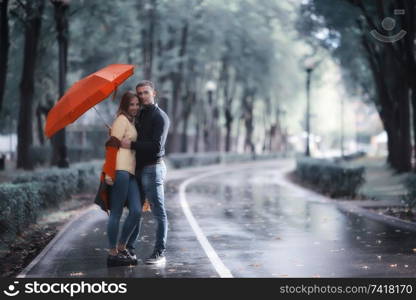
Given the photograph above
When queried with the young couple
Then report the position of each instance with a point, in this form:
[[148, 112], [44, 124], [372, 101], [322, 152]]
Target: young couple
[[139, 134]]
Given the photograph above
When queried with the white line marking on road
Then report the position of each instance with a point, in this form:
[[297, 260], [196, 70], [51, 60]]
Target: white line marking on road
[[219, 266]]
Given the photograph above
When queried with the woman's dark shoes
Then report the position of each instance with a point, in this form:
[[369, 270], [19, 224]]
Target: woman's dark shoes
[[121, 259], [130, 254]]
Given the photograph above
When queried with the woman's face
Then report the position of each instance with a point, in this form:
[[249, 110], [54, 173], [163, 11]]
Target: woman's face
[[133, 106]]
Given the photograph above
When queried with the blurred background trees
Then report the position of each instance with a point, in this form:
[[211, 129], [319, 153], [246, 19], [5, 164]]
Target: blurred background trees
[[229, 74], [380, 71]]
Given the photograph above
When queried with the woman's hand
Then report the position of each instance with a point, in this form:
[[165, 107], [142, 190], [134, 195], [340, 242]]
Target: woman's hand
[[109, 180]]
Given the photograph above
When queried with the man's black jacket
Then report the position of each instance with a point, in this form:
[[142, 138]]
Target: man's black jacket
[[152, 125]]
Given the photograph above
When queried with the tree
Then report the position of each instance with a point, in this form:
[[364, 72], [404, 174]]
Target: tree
[[33, 11], [61, 7], [396, 58], [380, 71], [148, 15], [4, 47]]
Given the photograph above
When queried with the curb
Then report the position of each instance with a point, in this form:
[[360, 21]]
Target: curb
[[52, 243], [389, 220]]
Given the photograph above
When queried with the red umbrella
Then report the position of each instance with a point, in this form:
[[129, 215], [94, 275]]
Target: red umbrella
[[85, 94]]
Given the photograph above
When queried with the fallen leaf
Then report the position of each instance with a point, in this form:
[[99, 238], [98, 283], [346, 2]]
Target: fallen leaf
[[255, 265]]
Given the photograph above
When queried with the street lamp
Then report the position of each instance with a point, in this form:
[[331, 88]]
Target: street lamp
[[210, 87], [309, 64]]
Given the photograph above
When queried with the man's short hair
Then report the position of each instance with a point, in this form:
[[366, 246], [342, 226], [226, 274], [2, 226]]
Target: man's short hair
[[145, 83]]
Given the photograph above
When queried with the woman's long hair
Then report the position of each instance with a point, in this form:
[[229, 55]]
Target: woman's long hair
[[125, 103]]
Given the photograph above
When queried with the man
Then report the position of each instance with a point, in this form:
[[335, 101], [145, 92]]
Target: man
[[152, 125]]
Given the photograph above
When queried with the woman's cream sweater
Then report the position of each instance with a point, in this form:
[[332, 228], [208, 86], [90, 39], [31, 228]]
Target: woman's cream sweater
[[126, 158]]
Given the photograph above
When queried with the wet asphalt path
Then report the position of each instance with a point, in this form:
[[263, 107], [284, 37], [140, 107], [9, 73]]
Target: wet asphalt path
[[252, 223]]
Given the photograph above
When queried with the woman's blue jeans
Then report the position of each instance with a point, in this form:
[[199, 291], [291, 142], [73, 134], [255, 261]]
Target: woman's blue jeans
[[151, 179], [124, 189]]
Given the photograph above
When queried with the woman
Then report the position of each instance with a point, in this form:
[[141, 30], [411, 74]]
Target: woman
[[124, 188]]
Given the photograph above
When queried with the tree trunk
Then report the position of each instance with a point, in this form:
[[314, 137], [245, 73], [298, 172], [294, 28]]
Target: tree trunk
[[4, 47], [40, 125], [228, 126], [24, 128], [197, 135], [184, 138], [148, 37], [188, 107], [228, 94], [272, 138], [177, 78], [248, 101], [404, 162], [414, 120], [59, 154]]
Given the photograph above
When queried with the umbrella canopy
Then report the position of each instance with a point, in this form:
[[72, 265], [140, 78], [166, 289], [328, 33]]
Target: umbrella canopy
[[85, 94]]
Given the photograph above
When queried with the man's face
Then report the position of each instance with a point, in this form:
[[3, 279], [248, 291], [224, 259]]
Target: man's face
[[146, 95]]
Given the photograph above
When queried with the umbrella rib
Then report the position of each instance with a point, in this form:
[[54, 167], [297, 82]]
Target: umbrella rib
[[106, 125]]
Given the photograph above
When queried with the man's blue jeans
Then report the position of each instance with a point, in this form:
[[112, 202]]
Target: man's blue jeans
[[124, 189], [150, 179]]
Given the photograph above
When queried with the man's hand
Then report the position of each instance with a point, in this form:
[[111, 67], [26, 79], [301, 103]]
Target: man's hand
[[125, 143]]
